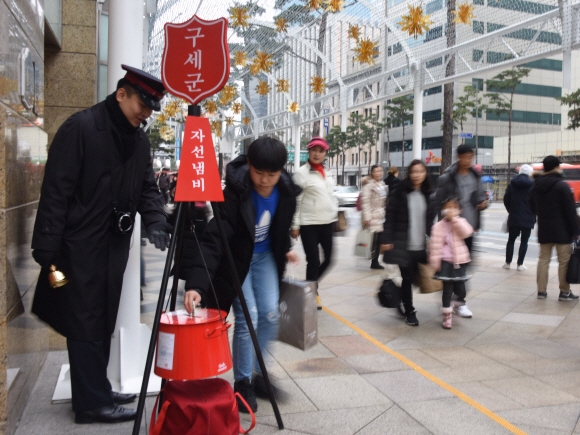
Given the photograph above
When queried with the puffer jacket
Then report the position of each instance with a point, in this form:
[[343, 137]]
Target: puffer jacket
[[316, 205], [460, 229], [518, 202], [553, 203], [374, 196]]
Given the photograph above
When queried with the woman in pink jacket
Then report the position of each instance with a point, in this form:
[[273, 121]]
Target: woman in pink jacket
[[449, 256]]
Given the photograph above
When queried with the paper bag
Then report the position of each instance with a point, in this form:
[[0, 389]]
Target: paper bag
[[298, 314], [424, 279], [363, 246]]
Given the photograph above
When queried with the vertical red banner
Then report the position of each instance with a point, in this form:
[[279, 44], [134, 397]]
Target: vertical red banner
[[199, 178]]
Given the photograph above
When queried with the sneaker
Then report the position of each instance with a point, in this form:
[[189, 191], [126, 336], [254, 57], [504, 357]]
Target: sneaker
[[246, 390], [542, 295], [506, 266], [261, 391], [522, 267], [377, 266], [318, 303], [412, 319], [568, 297], [462, 311]]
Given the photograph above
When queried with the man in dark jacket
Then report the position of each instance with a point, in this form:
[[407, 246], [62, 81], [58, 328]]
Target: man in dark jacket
[[461, 181], [97, 177], [260, 201], [553, 203], [521, 219]]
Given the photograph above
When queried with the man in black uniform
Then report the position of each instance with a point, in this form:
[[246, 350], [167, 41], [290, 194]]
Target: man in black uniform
[[97, 177]]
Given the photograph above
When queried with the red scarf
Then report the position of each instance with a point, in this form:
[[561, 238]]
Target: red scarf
[[317, 167]]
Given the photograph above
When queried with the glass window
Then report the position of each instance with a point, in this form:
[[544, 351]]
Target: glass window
[[548, 64], [482, 142], [477, 84], [433, 91], [571, 174], [436, 32], [433, 6], [479, 2], [432, 115], [521, 6], [53, 16], [102, 94], [104, 38], [434, 62], [527, 117], [478, 27]]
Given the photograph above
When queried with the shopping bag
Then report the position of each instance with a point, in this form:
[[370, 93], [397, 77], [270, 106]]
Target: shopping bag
[[298, 314], [340, 224], [504, 226], [573, 272], [389, 294], [363, 246], [424, 279]]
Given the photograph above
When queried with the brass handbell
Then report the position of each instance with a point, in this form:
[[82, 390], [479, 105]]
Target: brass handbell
[[56, 278]]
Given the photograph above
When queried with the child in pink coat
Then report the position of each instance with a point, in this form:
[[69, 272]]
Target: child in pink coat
[[449, 256]]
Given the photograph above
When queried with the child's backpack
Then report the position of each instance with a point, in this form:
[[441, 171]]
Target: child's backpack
[[206, 406]]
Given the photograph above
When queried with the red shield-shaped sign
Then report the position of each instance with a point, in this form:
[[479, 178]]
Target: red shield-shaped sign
[[196, 59]]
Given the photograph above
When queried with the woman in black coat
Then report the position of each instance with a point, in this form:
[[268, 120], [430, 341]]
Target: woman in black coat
[[408, 221], [521, 218]]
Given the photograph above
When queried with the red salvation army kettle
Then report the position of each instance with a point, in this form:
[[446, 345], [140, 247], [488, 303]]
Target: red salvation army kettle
[[194, 346]]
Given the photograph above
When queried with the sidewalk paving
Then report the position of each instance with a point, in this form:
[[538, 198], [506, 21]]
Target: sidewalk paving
[[518, 358]]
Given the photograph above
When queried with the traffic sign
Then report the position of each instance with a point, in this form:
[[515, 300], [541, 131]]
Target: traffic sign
[[196, 58]]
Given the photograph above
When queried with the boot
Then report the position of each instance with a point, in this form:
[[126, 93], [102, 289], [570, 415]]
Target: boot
[[447, 317]]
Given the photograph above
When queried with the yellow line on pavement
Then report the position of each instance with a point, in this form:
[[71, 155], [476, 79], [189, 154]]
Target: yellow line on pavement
[[485, 411]]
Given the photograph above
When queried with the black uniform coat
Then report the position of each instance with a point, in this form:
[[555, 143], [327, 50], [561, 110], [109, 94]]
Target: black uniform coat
[[396, 225], [553, 202], [518, 202], [239, 220], [74, 217]]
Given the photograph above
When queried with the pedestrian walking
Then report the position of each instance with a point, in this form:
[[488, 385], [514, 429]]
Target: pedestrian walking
[[392, 179], [316, 210], [449, 256], [408, 221], [374, 196], [461, 181], [553, 204], [97, 177], [521, 218], [260, 200], [164, 183]]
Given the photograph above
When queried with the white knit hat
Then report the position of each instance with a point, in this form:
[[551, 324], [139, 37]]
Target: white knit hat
[[526, 169]]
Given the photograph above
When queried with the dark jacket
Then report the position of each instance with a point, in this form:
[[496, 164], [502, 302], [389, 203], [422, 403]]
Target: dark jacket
[[239, 220], [84, 170], [396, 226], [447, 187], [392, 182], [518, 202], [553, 203]]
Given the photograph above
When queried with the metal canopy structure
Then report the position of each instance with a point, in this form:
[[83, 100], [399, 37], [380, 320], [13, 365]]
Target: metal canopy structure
[[307, 39]]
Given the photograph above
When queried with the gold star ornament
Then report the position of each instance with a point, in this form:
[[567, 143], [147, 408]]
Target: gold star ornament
[[317, 85], [281, 25], [162, 118], [239, 16], [334, 5], [166, 133], [366, 50], [216, 127], [263, 88], [313, 5], [293, 107], [282, 85], [211, 107], [171, 109], [262, 62], [415, 22], [246, 120], [240, 58], [464, 14], [227, 94], [354, 32], [229, 121], [237, 108]]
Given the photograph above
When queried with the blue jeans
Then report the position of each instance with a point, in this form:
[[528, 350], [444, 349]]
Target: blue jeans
[[261, 291]]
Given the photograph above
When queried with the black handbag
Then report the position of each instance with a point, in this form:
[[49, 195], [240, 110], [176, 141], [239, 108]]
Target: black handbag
[[389, 294], [573, 272]]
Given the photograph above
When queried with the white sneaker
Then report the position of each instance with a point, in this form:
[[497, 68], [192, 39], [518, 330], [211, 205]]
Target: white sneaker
[[463, 311], [522, 267], [506, 266]]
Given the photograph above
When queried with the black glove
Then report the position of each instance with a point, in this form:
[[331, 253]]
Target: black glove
[[158, 234], [44, 258]]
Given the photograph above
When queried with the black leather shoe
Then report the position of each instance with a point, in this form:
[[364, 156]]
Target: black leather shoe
[[106, 414], [121, 399]]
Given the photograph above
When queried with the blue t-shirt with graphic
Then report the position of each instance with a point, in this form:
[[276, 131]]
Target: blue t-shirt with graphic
[[265, 209]]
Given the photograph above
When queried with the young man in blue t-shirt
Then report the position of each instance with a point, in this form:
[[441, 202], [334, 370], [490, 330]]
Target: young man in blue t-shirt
[[260, 200]]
